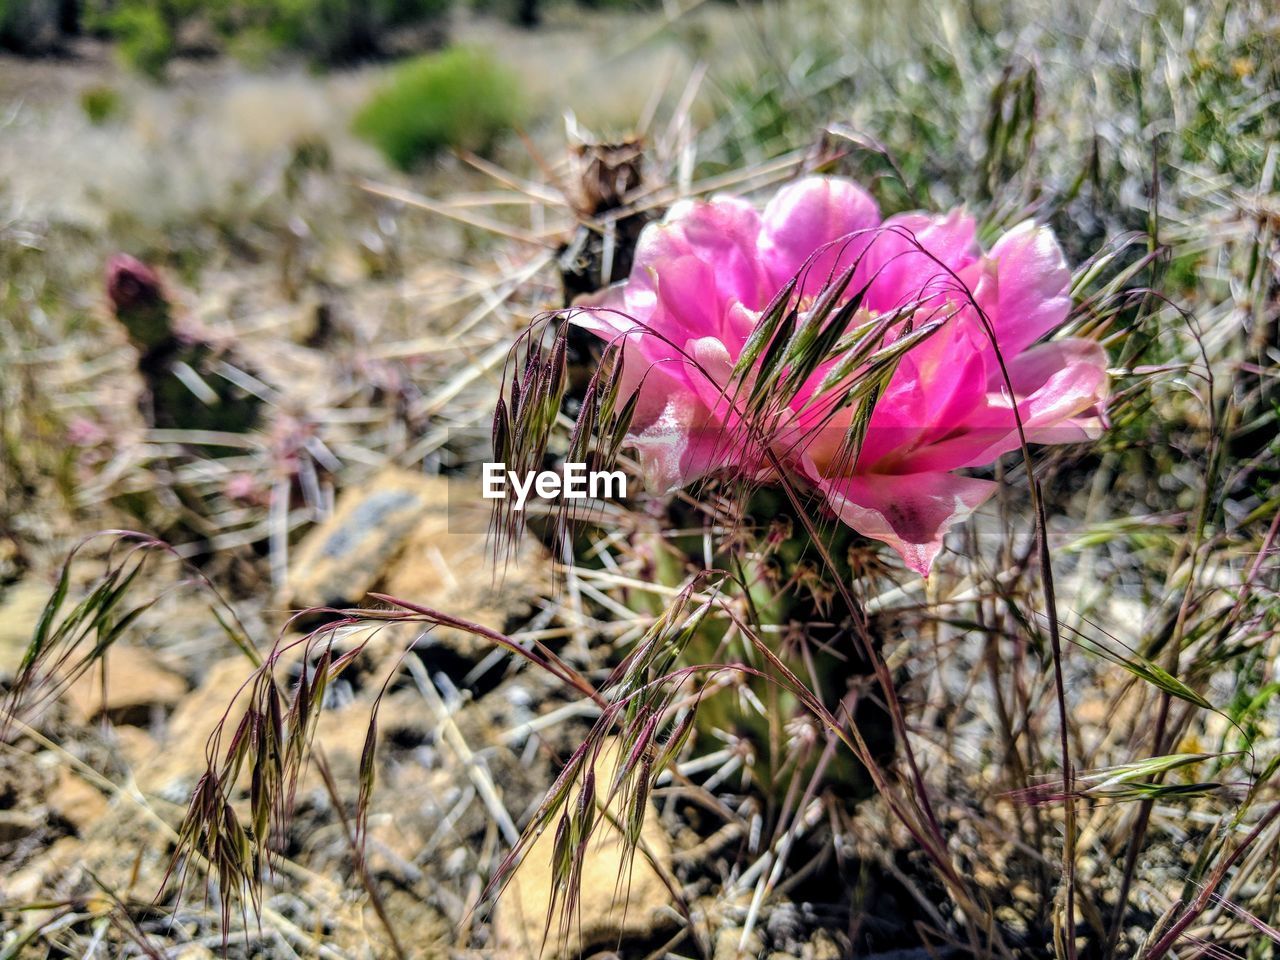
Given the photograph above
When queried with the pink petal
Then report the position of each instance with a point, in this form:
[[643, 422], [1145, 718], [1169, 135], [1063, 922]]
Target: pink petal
[[1034, 284], [604, 313], [809, 214], [722, 234], [934, 391], [910, 512], [1061, 389], [686, 442], [711, 369], [700, 367], [648, 362], [686, 306], [1069, 404], [692, 274], [904, 273]]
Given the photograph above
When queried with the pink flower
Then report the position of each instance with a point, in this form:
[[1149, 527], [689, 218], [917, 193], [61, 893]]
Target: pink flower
[[702, 279]]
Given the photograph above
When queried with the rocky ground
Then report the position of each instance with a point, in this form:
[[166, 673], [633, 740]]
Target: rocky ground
[[467, 746]]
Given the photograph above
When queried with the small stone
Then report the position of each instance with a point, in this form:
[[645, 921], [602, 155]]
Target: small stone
[[607, 910], [136, 684], [455, 573], [20, 610], [38, 876], [400, 535], [784, 924], [180, 759], [14, 825], [342, 559], [730, 945], [134, 745], [822, 947], [79, 803]]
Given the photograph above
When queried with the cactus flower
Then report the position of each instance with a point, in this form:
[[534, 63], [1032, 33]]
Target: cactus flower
[[703, 278]]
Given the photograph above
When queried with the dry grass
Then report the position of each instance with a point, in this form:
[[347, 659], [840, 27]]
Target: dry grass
[[1142, 597]]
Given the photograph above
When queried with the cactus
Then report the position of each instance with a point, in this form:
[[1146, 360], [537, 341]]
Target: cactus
[[190, 381], [784, 590]]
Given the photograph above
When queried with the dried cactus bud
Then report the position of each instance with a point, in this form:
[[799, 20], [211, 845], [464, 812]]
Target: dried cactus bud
[[604, 173], [139, 301], [602, 177]]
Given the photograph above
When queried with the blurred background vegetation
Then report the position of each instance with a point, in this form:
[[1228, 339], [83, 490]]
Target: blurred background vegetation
[[327, 32]]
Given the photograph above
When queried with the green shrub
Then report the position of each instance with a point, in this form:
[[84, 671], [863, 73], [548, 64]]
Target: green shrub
[[145, 37], [456, 99], [101, 103]]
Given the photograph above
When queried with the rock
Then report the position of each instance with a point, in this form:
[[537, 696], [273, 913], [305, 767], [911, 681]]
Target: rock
[[134, 746], [399, 535], [341, 731], [136, 684], [125, 849], [136, 680], [729, 945], [26, 884], [456, 573], [608, 911], [822, 947], [79, 803], [425, 932], [15, 824], [12, 562], [341, 560], [19, 613], [784, 924], [180, 760]]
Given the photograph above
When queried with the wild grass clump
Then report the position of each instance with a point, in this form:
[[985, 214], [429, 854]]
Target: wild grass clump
[[459, 99]]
